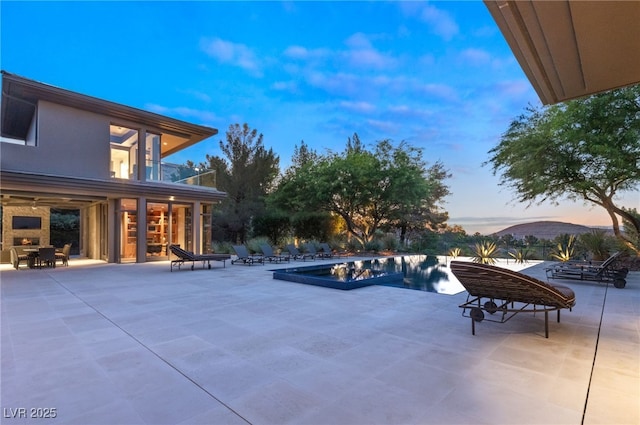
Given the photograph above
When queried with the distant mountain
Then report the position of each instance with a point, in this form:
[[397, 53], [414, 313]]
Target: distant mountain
[[546, 229]]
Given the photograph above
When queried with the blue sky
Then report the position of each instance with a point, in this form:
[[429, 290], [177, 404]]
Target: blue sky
[[438, 75]]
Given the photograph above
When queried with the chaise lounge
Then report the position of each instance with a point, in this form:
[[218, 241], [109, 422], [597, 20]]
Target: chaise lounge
[[592, 271], [270, 256], [325, 251], [297, 255], [188, 256], [244, 257], [506, 293]]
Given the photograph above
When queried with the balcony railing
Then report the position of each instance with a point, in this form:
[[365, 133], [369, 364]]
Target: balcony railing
[[206, 178], [181, 174]]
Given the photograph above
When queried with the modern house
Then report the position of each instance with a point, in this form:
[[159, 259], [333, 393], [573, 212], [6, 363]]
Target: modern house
[[65, 150]]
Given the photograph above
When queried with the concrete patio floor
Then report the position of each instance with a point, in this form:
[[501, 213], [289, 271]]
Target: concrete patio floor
[[136, 344]]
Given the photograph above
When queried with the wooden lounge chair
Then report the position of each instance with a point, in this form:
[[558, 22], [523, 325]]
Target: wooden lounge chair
[[605, 271], [297, 255], [270, 256], [506, 293], [244, 257], [185, 256]]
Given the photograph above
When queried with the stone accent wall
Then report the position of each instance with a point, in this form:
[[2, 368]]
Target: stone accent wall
[[9, 234]]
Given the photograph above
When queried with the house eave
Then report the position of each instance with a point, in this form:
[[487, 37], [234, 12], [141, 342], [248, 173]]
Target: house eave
[[21, 94], [570, 49]]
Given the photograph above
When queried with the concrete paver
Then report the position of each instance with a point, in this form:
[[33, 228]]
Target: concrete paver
[[136, 344]]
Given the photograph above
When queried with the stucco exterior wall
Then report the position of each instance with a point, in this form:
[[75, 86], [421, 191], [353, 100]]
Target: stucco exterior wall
[[70, 142]]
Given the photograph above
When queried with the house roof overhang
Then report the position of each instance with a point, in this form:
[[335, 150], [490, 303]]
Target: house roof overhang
[[21, 95], [569, 49]]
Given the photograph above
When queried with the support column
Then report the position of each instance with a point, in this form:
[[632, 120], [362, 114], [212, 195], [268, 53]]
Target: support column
[[197, 227], [142, 156], [113, 231], [141, 248]]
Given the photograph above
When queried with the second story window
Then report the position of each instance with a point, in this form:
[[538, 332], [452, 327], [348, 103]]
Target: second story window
[[124, 152], [152, 156]]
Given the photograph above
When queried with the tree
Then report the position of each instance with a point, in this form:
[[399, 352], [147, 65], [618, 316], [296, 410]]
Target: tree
[[247, 175], [366, 189], [531, 240], [586, 149]]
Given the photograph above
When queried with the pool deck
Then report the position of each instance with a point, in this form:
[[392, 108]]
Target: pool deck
[[136, 344]]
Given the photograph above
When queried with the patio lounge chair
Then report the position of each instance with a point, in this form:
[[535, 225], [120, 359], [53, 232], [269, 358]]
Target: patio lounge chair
[[310, 249], [297, 255], [325, 250], [597, 272], [507, 293], [270, 256], [185, 256], [244, 257]]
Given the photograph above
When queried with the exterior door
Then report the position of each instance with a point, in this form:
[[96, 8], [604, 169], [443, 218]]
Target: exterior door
[[128, 215]]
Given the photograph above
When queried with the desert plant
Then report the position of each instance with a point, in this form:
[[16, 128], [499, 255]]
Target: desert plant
[[253, 245], [353, 245], [485, 253], [389, 242], [597, 242], [454, 252], [221, 247], [373, 246], [565, 249], [521, 255]]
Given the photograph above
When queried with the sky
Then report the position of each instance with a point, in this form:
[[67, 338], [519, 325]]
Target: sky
[[437, 75]]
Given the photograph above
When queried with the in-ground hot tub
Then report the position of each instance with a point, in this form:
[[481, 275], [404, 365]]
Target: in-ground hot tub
[[409, 271]]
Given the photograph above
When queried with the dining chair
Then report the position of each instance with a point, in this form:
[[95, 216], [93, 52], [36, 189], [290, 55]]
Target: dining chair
[[47, 256]]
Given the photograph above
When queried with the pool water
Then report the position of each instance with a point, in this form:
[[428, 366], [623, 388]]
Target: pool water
[[419, 272]]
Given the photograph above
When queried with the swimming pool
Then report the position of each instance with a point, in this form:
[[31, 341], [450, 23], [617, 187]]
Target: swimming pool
[[419, 272]]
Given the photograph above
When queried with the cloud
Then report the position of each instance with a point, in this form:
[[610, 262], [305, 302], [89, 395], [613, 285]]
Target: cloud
[[360, 107], [336, 84], [234, 54], [475, 57], [441, 23], [514, 87], [362, 54], [198, 95], [505, 221], [302, 53], [285, 86], [183, 112], [383, 127], [442, 91]]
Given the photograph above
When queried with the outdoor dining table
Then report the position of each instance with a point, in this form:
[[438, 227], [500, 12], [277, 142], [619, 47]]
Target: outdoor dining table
[[32, 254]]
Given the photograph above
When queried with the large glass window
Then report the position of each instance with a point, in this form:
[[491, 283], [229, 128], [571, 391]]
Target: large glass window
[[157, 230], [152, 156], [205, 222], [129, 229], [181, 226], [124, 152]]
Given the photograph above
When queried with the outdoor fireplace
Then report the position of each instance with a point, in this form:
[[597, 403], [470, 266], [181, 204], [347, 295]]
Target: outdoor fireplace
[[29, 240]]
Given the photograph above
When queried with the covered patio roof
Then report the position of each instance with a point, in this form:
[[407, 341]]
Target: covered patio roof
[[569, 49]]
